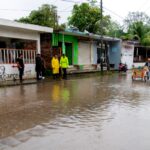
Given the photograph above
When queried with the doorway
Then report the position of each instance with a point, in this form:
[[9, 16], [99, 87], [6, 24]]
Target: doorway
[[69, 52]]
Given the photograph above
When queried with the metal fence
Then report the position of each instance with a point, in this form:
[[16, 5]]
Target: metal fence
[[9, 56]]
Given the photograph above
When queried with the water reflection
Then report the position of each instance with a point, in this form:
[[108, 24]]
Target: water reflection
[[55, 92]]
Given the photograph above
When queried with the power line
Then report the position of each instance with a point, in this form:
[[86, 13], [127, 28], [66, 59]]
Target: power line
[[98, 5], [64, 10], [143, 5], [31, 10], [71, 1], [146, 9], [114, 13], [5, 9]]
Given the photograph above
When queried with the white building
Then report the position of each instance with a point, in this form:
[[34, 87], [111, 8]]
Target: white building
[[127, 54], [134, 55], [18, 38]]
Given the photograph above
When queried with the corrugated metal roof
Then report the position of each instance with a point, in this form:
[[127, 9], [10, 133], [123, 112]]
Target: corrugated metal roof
[[89, 35]]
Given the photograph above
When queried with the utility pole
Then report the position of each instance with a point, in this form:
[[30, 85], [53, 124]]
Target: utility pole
[[101, 29]]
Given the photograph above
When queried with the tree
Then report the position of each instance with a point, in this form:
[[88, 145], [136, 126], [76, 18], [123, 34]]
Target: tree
[[46, 15], [133, 17], [105, 25], [137, 29], [114, 29], [146, 38], [137, 26], [87, 17]]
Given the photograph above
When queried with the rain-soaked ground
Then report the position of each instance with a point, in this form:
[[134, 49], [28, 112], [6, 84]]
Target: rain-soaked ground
[[83, 113]]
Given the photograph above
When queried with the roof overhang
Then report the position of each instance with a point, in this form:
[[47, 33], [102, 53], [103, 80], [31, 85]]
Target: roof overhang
[[90, 36], [4, 23]]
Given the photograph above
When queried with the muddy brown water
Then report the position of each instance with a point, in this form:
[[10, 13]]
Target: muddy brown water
[[85, 113]]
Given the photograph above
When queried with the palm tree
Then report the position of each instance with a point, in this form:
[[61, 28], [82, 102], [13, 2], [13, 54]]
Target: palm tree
[[137, 31]]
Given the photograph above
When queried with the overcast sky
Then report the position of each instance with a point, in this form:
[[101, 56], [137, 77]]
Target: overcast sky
[[117, 9]]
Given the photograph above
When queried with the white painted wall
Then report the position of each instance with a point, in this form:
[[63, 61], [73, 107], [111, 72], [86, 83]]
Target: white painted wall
[[12, 29], [84, 53], [29, 71], [21, 34], [136, 65], [127, 54]]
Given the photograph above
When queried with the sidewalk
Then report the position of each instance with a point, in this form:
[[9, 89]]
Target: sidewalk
[[48, 79], [17, 82]]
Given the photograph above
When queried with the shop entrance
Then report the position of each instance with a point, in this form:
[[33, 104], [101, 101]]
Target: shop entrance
[[69, 52]]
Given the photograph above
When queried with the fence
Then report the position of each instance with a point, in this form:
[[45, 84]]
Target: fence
[[9, 56]]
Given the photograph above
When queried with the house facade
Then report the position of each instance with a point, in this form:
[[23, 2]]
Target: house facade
[[84, 49], [65, 43], [127, 54], [134, 54], [16, 38]]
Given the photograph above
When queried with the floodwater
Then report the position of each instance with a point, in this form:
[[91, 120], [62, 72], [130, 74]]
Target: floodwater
[[84, 113]]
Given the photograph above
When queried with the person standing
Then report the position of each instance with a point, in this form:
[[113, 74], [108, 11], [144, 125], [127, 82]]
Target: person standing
[[20, 65], [55, 66], [64, 65], [38, 67]]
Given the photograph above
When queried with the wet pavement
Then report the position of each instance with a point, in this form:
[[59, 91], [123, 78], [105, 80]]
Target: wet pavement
[[17, 82], [83, 113]]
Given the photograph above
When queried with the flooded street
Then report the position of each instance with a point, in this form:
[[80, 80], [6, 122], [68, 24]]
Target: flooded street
[[82, 113]]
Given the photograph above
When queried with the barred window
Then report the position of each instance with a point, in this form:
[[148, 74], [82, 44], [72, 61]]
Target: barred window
[[9, 56]]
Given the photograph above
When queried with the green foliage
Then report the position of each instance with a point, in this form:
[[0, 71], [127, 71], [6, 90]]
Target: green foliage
[[87, 17], [126, 36], [133, 17], [62, 26], [137, 25], [114, 30], [146, 41], [46, 15], [137, 29], [103, 27]]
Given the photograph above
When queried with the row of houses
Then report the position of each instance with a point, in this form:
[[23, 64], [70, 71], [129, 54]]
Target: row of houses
[[82, 49]]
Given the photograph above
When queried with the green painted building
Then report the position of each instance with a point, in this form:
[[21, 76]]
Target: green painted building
[[83, 49], [67, 44]]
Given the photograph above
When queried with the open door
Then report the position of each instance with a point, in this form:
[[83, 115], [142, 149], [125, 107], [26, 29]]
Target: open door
[[69, 52]]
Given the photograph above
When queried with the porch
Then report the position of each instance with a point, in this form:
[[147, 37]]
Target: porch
[[8, 57]]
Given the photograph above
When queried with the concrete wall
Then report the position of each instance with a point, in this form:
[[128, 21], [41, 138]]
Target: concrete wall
[[114, 53], [10, 72], [127, 54], [136, 65], [21, 34]]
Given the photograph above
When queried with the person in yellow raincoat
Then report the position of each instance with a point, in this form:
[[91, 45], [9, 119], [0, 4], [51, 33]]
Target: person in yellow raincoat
[[64, 63], [55, 67]]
